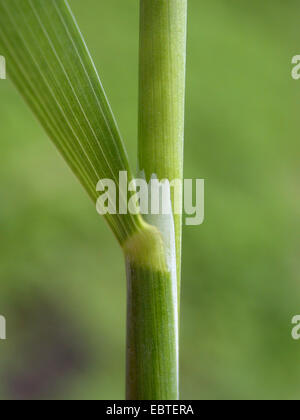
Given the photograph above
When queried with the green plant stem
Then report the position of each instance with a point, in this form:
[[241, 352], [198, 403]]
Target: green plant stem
[[152, 333], [151, 352], [154, 255], [162, 97]]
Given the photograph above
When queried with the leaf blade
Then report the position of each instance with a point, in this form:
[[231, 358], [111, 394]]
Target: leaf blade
[[51, 66]]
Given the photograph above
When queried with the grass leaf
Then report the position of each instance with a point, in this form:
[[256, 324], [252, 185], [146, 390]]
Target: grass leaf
[[49, 62]]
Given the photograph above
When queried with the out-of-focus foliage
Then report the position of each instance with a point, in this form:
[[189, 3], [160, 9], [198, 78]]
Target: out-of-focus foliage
[[63, 294]]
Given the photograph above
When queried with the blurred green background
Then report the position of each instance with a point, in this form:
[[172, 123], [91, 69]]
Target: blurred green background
[[62, 286]]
